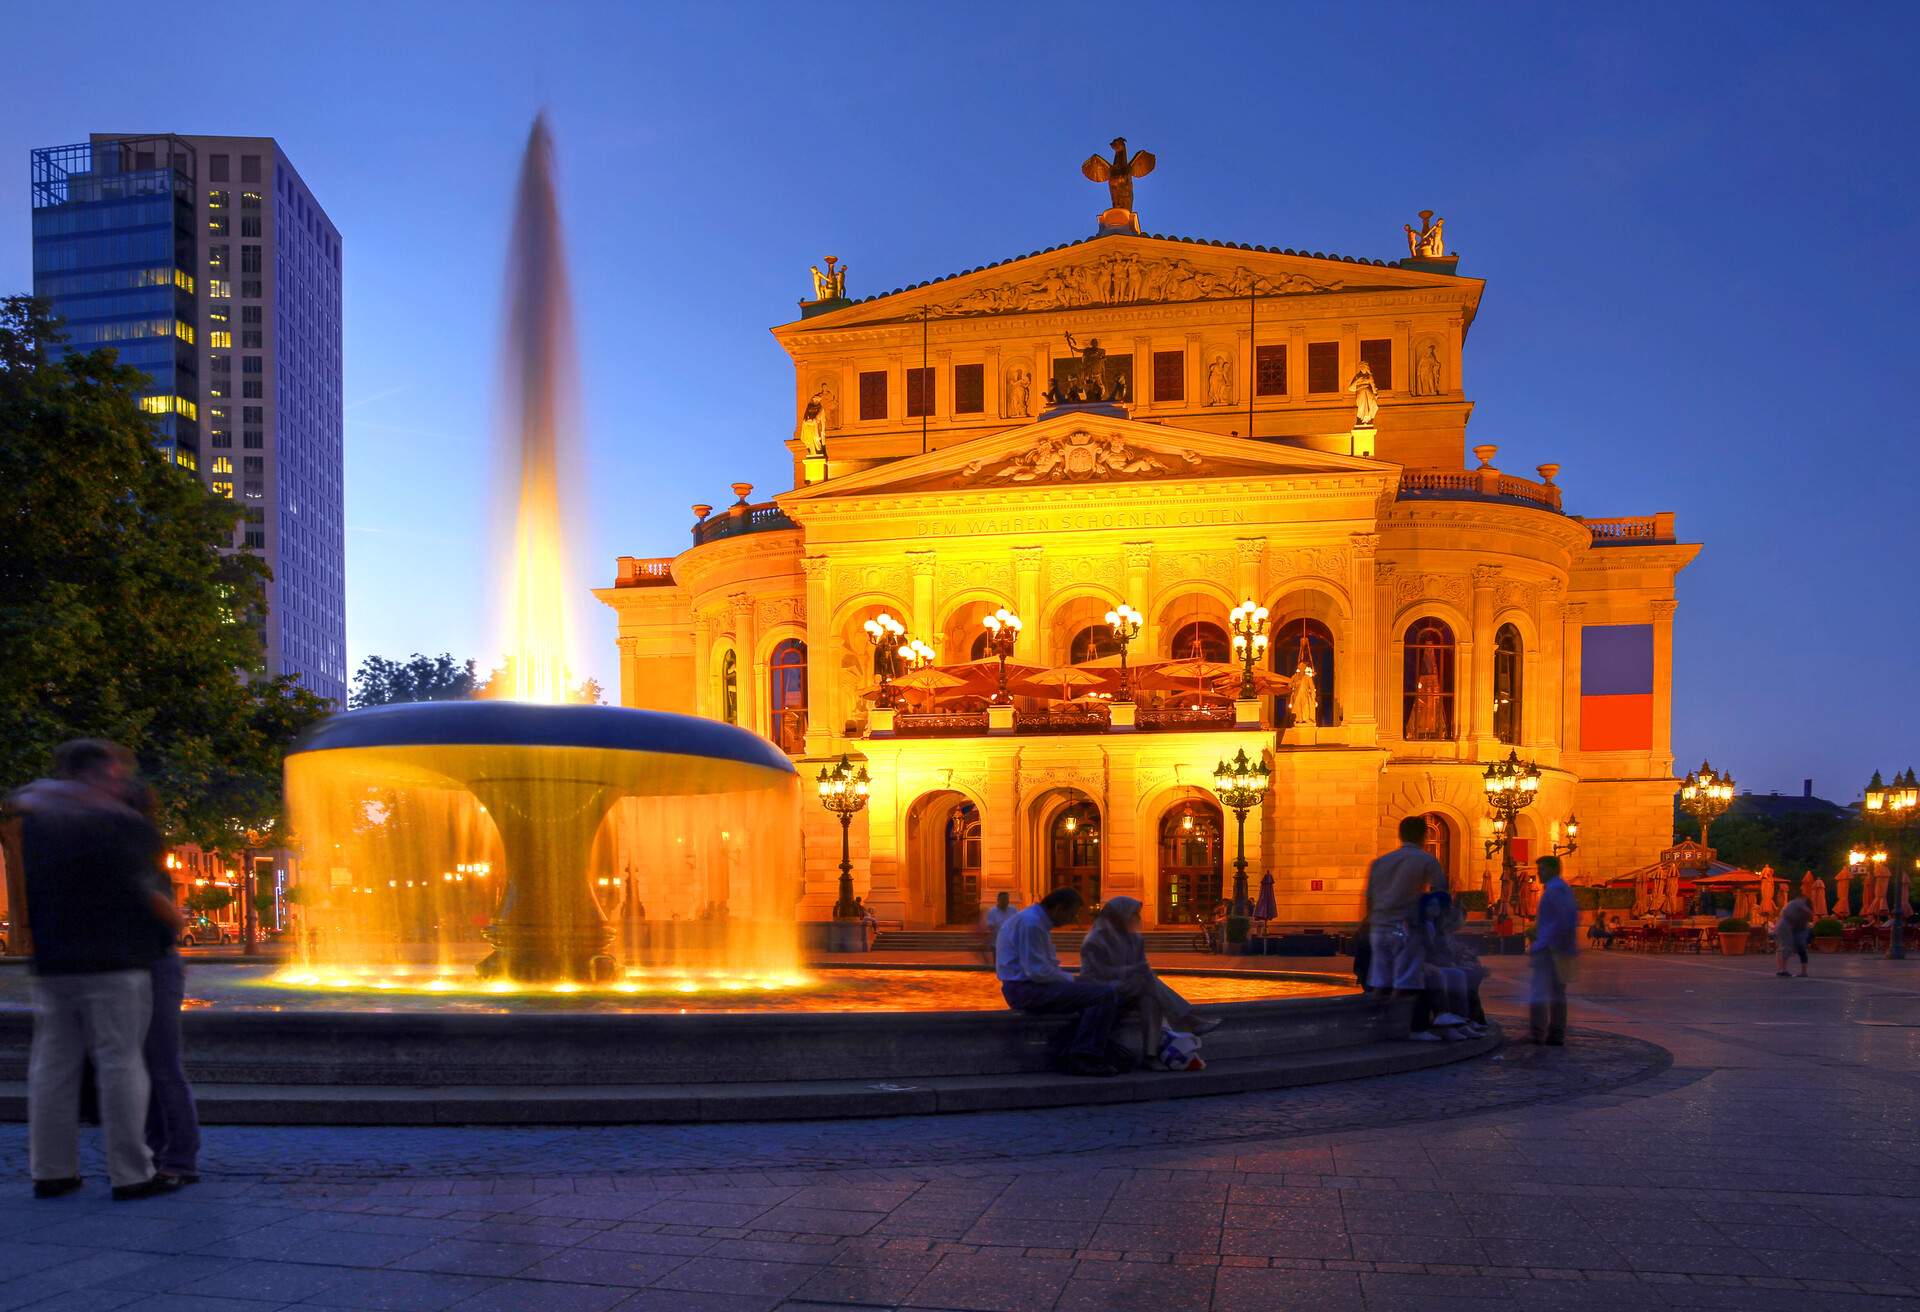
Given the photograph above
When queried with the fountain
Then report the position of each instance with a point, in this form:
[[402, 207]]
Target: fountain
[[551, 829]]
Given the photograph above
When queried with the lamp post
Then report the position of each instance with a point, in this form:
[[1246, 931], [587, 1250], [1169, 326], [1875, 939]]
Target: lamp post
[[1003, 631], [1240, 784], [1249, 624], [1511, 785], [1123, 622], [1571, 828], [843, 791], [885, 632], [1706, 796], [1889, 808]]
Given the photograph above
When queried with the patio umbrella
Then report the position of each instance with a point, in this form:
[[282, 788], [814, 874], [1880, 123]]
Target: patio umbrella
[[1842, 894], [1817, 888], [1640, 901], [1265, 684], [1263, 906], [983, 675], [1185, 676], [929, 680], [1061, 681]]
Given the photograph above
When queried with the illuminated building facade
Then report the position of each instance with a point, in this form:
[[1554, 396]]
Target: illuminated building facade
[[208, 264], [950, 461]]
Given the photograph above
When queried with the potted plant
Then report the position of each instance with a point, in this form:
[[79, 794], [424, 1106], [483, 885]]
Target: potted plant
[[1827, 933], [1735, 934]]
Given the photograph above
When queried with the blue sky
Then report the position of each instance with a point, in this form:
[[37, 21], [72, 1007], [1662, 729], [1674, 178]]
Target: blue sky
[[1697, 223]]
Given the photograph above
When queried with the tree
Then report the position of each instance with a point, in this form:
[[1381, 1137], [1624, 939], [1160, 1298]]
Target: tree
[[124, 614], [499, 685], [381, 682], [206, 901]]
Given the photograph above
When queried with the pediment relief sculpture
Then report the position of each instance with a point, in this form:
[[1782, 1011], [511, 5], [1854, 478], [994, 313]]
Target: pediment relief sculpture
[[1127, 279], [1076, 457]]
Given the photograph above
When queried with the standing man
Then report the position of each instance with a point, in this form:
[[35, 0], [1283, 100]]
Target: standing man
[[1792, 934], [94, 915], [1555, 944], [997, 916], [1395, 882], [1031, 981]]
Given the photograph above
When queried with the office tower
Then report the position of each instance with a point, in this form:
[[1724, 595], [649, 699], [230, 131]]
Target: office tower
[[209, 263]]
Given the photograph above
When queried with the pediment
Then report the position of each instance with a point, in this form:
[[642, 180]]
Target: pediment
[[1127, 271], [1082, 450]]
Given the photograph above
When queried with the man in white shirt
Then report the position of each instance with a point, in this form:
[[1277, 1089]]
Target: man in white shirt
[[1554, 945], [996, 918], [1031, 981], [1395, 882]]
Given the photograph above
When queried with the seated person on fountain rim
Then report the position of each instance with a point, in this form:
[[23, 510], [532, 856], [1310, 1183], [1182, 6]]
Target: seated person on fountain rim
[[1031, 981]]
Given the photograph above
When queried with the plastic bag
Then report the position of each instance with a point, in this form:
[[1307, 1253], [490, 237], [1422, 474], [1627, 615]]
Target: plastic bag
[[1179, 1050]]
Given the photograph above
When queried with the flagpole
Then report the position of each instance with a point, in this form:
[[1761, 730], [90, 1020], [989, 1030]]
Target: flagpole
[[1253, 360], [926, 382]]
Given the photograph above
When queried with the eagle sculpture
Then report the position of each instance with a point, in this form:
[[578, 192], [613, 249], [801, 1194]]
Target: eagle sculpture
[[1119, 172]]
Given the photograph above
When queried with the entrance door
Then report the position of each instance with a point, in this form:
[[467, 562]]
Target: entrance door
[[963, 865], [1075, 853], [1190, 862]]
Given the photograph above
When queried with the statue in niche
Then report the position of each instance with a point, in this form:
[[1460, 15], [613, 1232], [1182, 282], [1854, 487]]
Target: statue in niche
[[1427, 717], [1119, 172], [1426, 371], [813, 421], [1219, 380], [831, 284], [1366, 397], [1019, 386], [1303, 695], [1428, 243], [1093, 363], [1121, 387]]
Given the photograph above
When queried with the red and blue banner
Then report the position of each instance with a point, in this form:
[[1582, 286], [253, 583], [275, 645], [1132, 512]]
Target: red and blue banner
[[1616, 687]]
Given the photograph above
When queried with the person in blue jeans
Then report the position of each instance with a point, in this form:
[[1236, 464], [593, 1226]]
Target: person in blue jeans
[[1555, 944], [173, 1119], [1031, 981]]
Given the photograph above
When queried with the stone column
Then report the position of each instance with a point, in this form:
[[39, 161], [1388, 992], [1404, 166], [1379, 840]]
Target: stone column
[[1402, 357], [1456, 352], [1139, 558], [1195, 370], [1042, 378], [823, 660], [994, 383], [703, 635], [1573, 617], [1389, 708], [1485, 579], [1297, 362], [1250, 554], [1026, 599], [746, 642], [942, 365], [1142, 380], [1242, 372], [1349, 352], [1543, 703], [1354, 686], [1661, 764], [920, 623], [897, 390]]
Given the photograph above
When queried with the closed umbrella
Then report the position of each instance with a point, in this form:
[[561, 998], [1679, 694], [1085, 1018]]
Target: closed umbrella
[[1263, 906], [1843, 894]]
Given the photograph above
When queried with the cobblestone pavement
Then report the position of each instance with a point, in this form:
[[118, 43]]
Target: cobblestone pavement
[[1768, 1162]]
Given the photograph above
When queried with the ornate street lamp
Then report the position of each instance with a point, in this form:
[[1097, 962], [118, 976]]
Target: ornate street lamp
[[915, 654], [1240, 784], [885, 632], [1249, 623], [1706, 796], [1511, 785], [1123, 622], [843, 791], [1890, 808], [1003, 631], [1571, 828]]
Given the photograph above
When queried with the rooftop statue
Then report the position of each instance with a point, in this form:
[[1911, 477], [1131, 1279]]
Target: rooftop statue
[[1119, 172], [831, 284], [1429, 243]]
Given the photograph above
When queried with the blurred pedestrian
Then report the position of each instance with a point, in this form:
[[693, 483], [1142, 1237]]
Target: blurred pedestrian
[[1114, 952], [1031, 981], [997, 915], [173, 1119], [94, 914], [1555, 946], [1792, 934], [1395, 882]]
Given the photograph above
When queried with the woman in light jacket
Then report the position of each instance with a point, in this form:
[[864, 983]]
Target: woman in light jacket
[[1114, 953]]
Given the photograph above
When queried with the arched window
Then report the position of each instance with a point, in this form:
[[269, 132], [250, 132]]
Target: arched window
[[1440, 841], [730, 688], [978, 651], [1427, 682], [1091, 643], [787, 705], [1201, 640], [1507, 653], [1286, 660]]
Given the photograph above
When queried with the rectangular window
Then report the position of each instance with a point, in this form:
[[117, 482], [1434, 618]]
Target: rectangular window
[[217, 416], [219, 339], [1323, 366], [873, 394], [919, 392], [250, 287], [1169, 375], [223, 489], [254, 466], [221, 437], [217, 225], [252, 364], [249, 200], [252, 414], [217, 257], [257, 538], [1270, 371], [250, 259], [217, 168], [250, 338], [219, 389], [253, 490], [250, 438], [969, 389], [219, 289], [223, 364], [217, 200], [222, 465], [249, 225], [1376, 353], [249, 168], [249, 314], [252, 389]]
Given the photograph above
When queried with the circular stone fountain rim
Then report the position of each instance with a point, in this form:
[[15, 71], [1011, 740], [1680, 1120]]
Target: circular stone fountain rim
[[532, 724]]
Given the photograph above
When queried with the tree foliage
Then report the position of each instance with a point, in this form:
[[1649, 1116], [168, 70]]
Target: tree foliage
[[381, 682], [122, 613], [1791, 843]]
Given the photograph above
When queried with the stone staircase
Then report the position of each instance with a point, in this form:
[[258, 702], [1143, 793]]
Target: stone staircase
[[1064, 940]]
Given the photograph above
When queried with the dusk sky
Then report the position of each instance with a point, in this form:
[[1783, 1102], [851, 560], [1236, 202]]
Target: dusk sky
[[1698, 226]]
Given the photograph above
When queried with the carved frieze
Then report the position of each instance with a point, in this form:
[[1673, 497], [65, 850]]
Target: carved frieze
[[781, 610], [957, 576], [1126, 279], [1329, 562], [1217, 566], [1430, 587], [1077, 457], [850, 579]]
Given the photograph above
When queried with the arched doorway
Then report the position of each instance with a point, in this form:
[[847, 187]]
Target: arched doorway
[[1073, 851], [1313, 639], [1439, 843], [1191, 861], [963, 864]]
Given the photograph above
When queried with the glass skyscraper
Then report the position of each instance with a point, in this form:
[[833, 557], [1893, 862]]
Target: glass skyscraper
[[247, 369]]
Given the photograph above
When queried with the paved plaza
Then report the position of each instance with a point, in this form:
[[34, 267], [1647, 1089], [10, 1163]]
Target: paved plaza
[[1713, 1138]]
